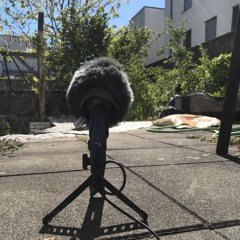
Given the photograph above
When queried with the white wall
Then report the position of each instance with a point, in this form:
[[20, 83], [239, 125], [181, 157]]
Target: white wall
[[154, 18], [199, 13], [139, 19]]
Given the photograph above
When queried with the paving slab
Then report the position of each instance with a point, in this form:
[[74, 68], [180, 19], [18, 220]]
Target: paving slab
[[187, 190], [199, 235], [231, 232], [209, 190], [157, 135], [179, 139], [182, 139], [129, 141], [31, 197], [45, 157], [163, 156]]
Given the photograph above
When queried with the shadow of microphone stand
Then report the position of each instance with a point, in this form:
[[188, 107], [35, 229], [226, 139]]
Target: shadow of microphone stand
[[98, 110]]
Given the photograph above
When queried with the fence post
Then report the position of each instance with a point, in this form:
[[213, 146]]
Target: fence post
[[42, 83]]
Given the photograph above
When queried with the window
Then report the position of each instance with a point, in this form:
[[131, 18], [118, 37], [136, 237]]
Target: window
[[211, 29], [188, 40], [235, 17], [187, 4]]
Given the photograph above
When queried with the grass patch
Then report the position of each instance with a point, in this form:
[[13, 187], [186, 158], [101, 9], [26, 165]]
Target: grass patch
[[83, 139], [212, 139], [234, 140], [8, 146]]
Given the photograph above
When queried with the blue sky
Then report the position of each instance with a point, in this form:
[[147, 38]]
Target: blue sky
[[127, 11]]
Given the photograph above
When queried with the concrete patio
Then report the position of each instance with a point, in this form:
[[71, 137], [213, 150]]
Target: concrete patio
[[187, 190]]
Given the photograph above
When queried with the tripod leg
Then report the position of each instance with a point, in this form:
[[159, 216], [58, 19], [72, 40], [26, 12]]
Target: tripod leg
[[126, 200], [67, 201]]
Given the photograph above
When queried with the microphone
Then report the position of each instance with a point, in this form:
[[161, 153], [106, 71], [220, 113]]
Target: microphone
[[101, 79], [100, 93]]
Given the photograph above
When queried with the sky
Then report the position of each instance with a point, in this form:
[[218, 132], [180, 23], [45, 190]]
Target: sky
[[129, 10]]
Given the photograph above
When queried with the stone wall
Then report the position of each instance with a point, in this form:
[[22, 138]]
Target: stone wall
[[222, 44], [217, 46]]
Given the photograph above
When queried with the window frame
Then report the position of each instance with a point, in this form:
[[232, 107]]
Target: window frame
[[186, 5], [206, 22]]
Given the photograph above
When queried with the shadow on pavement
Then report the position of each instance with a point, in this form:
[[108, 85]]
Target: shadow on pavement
[[91, 227], [231, 158]]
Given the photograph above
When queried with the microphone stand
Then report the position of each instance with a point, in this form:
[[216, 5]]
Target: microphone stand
[[98, 135]]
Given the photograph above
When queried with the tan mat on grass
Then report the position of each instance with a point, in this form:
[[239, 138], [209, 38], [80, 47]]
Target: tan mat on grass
[[188, 120]]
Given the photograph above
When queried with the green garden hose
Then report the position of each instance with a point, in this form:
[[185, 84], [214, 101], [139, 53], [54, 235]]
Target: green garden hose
[[175, 129]]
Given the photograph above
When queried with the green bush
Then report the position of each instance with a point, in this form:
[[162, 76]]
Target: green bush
[[149, 91], [206, 75], [4, 127], [211, 74], [220, 71]]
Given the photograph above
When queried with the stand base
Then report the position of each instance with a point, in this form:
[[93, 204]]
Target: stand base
[[81, 188], [98, 111]]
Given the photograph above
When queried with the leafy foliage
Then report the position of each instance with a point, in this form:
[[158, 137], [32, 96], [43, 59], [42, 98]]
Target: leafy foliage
[[78, 30], [130, 43], [8, 146], [4, 127], [211, 74], [75, 30], [219, 70], [146, 92], [181, 58], [129, 46], [208, 75]]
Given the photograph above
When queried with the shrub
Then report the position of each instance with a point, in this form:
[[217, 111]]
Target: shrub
[[211, 74], [4, 127], [207, 75], [8, 146]]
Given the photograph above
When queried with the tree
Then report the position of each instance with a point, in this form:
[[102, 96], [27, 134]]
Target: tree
[[75, 30], [204, 75], [130, 43], [130, 46], [181, 58]]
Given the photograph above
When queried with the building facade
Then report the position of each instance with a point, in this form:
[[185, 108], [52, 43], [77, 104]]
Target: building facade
[[154, 18], [205, 21]]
